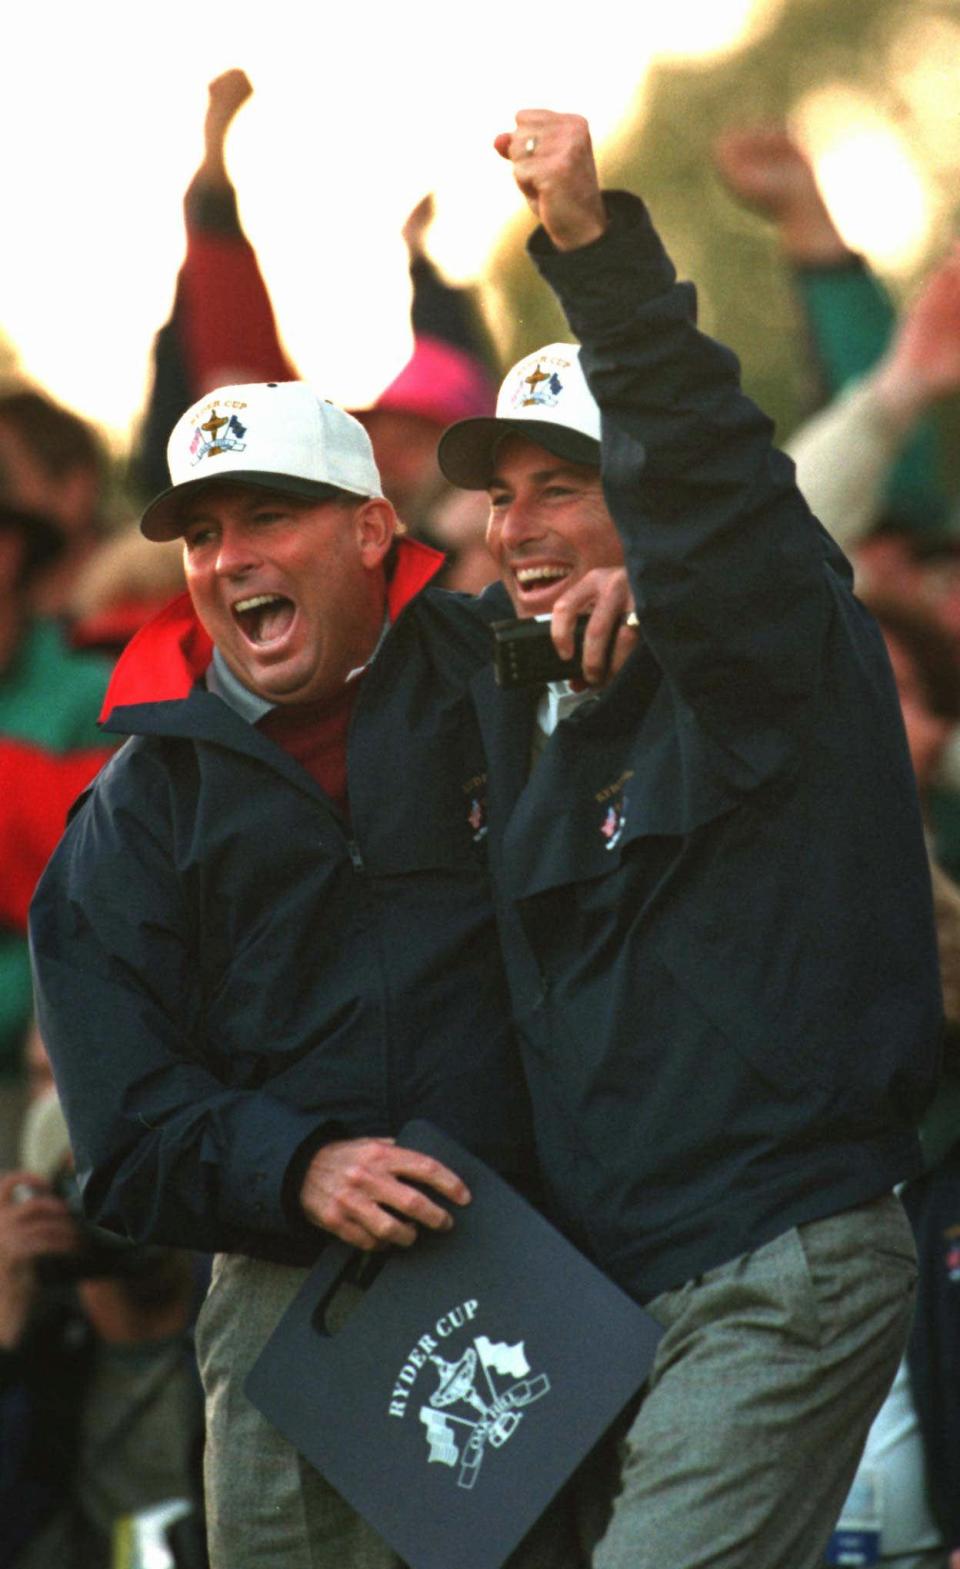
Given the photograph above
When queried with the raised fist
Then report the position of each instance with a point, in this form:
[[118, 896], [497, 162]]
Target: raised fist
[[554, 167]]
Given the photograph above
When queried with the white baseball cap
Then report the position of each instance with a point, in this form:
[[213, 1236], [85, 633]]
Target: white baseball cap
[[544, 397], [273, 435]]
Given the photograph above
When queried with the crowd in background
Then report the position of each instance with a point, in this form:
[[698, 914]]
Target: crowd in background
[[94, 1347]]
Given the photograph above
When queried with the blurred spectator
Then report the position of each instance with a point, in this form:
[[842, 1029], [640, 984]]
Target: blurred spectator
[[49, 701], [121, 587], [53, 465], [908, 1482], [867, 462], [849, 316], [100, 1408], [222, 328], [38, 789], [925, 665], [909, 1475], [458, 526], [450, 375], [103, 588], [846, 454], [927, 673], [933, 1205]]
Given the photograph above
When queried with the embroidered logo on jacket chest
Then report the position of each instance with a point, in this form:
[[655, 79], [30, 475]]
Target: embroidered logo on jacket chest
[[613, 803], [951, 1237], [475, 791]]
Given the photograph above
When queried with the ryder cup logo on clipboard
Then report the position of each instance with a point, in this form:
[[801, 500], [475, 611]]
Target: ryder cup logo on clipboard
[[479, 1400]]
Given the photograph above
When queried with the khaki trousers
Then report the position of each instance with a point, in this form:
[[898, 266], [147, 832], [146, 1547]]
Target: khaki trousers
[[765, 1384]]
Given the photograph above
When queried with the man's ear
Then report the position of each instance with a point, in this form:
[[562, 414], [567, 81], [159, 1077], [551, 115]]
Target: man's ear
[[376, 524]]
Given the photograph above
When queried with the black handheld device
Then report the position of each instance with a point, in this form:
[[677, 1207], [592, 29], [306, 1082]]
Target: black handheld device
[[524, 653]]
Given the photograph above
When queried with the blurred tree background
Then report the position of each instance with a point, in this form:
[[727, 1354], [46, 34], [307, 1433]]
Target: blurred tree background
[[830, 69], [8, 359]]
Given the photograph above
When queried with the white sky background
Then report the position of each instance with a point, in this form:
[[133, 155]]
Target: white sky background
[[357, 112]]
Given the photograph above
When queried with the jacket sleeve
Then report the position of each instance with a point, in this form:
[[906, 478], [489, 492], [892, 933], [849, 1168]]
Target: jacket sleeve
[[165, 1151], [736, 583]]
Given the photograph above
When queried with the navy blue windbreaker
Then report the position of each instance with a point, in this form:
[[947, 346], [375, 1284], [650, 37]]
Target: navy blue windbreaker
[[227, 973], [717, 908]]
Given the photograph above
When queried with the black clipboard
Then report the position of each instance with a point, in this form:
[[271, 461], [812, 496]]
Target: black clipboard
[[479, 1368]]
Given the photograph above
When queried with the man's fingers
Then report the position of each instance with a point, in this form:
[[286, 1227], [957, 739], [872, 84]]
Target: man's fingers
[[47, 1234], [392, 1224], [604, 596], [554, 168], [382, 1204], [366, 1224], [605, 618], [15, 1186], [609, 641], [624, 644], [563, 621], [579, 601], [37, 1227], [412, 1204], [424, 1169], [537, 132], [597, 640], [369, 1192], [359, 1236]]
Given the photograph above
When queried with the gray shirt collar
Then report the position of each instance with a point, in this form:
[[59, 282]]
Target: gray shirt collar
[[221, 681]]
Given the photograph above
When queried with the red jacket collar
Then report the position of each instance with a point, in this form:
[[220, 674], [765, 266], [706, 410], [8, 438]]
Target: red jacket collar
[[414, 567], [171, 652]]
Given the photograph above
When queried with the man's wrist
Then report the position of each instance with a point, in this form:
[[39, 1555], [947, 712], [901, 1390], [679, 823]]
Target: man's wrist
[[295, 1174], [627, 263], [542, 242], [586, 232]]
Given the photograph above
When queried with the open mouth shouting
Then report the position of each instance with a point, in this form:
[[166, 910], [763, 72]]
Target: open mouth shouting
[[264, 619], [538, 584]]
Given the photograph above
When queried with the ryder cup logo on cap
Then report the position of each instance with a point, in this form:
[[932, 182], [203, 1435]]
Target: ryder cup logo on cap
[[545, 398], [270, 435]]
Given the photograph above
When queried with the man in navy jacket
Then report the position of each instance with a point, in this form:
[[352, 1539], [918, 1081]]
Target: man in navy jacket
[[266, 940], [714, 891]]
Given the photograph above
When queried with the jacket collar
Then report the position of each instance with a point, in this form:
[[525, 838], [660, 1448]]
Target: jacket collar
[[164, 660]]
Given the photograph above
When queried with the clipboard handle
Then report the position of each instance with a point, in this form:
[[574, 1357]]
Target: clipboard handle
[[341, 1276]]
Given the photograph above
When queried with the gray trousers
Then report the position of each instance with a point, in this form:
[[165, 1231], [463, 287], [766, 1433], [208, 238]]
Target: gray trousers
[[766, 1381], [267, 1508], [768, 1376]]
